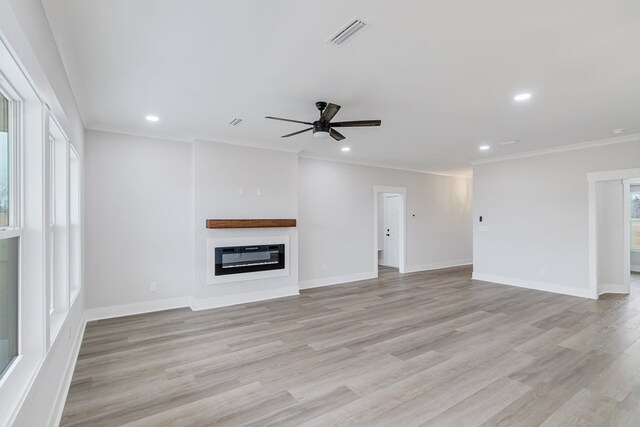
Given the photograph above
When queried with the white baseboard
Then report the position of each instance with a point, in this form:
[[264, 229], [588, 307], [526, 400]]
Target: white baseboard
[[207, 303], [538, 286], [135, 308], [438, 265], [65, 384], [635, 268], [609, 288], [336, 280]]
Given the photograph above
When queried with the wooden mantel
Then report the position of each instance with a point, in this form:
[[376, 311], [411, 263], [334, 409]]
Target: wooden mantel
[[250, 223]]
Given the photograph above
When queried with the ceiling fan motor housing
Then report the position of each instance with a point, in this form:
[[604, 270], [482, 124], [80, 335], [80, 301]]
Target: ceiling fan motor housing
[[321, 130]]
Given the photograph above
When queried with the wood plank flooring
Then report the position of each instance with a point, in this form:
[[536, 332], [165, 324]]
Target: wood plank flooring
[[432, 348]]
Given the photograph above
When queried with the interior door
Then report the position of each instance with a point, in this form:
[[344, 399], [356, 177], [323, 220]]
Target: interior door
[[392, 230]]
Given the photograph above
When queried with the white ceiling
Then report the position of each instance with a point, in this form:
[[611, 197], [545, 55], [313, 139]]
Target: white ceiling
[[441, 75]]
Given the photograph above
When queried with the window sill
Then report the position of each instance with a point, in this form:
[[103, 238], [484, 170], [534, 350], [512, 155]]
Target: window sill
[[56, 320]]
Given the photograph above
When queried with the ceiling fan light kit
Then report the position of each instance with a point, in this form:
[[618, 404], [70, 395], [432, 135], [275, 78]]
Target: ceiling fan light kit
[[323, 127]]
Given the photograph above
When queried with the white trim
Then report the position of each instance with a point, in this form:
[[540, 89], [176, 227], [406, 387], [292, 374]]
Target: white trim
[[65, 384], [380, 166], [615, 175], [438, 265], [135, 308], [387, 189], [537, 286], [560, 149], [337, 280], [402, 255], [626, 227], [610, 288], [593, 238], [225, 301], [635, 268]]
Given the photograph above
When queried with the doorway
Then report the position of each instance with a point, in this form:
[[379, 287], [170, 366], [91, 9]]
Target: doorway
[[389, 255], [612, 231], [632, 230], [389, 229]]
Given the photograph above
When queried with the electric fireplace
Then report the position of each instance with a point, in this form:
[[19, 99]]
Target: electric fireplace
[[246, 259]]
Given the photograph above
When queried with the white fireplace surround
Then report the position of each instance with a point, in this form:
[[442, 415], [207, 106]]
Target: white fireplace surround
[[217, 242]]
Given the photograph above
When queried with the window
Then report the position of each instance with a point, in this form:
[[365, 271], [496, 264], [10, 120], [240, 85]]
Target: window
[[9, 238], [4, 161], [75, 258], [58, 227], [635, 218]]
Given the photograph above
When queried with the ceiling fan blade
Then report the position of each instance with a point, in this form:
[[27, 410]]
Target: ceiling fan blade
[[296, 133], [336, 135], [288, 120], [329, 112], [357, 123]]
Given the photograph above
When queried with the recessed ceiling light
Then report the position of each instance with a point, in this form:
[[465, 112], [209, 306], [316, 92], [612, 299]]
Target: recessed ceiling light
[[151, 118], [345, 149], [235, 122], [617, 131], [484, 147], [522, 96], [515, 141]]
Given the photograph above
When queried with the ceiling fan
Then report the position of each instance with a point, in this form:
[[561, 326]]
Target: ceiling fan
[[323, 127]]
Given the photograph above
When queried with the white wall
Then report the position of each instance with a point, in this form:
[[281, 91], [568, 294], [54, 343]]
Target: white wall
[[336, 219], [147, 203], [138, 219], [536, 211], [610, 235], [219, 171], [23, 26]]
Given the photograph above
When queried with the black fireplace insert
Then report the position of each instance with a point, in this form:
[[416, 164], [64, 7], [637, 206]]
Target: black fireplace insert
[[246, 259]]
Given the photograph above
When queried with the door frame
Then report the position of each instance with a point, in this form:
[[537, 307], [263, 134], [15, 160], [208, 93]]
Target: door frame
[[402, 192], [626, 176]]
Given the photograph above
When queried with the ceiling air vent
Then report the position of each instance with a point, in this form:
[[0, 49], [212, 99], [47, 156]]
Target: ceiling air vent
[[348, 32], [235, 122]]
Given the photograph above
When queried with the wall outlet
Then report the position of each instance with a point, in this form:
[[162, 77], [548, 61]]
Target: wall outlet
[[241, 191], [543, 271], [324, 267], [258, 191], [153, 287]]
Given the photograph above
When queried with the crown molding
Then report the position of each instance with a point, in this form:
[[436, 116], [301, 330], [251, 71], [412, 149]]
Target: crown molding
[[135, 134], [560, 149], [381, 166]]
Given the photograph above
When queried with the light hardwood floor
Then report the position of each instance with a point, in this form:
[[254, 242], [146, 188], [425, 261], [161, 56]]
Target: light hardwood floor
[[432, 348]]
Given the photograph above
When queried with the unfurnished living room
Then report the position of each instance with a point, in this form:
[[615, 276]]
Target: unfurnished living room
[[296, 213]]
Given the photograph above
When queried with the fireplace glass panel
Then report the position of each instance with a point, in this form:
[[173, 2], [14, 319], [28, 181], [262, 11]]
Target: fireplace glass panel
[[245, 259]]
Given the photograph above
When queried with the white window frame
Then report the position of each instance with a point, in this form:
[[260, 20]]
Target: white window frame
[[14, 228], [57, 315], [74, 292]]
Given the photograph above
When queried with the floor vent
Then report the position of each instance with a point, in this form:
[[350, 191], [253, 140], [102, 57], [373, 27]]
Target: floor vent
[[348, 32]]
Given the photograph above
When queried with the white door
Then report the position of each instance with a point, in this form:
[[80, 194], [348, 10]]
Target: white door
[[392, 230]]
